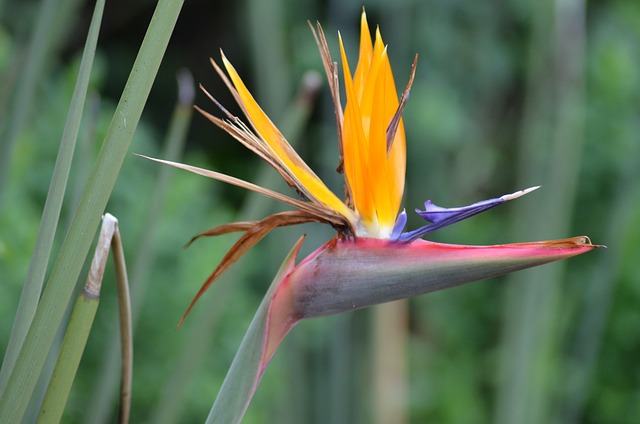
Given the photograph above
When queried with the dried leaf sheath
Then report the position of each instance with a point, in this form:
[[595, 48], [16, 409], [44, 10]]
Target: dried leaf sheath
[[323, 214], [331, 69], [255, 232], [394, 125]]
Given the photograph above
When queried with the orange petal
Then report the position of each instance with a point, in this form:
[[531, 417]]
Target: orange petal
[[364, 59], [393, 173], [354, 145], [382, 170], [383, 185], [282, 150]]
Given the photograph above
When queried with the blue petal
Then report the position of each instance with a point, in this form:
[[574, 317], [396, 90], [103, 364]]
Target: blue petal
[[401, 221], [441, 217]]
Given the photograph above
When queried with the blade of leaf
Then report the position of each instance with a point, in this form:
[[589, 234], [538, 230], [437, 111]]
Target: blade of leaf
[[75, 247], [42, 250], [248, 365]]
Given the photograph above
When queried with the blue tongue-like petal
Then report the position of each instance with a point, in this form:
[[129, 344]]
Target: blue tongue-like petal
[[441, 217], [401, 221]]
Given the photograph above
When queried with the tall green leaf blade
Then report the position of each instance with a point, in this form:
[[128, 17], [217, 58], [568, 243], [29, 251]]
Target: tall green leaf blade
[[53, 204], [94, 200], [253, 354]]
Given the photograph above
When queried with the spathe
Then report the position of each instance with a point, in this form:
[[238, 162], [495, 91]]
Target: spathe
[[347, 274]]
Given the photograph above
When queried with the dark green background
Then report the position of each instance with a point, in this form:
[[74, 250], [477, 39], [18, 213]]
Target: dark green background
[[508, 94]]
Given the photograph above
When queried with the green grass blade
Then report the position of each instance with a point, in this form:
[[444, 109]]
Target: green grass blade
[[38, 52], [51, 213], [78, 241]]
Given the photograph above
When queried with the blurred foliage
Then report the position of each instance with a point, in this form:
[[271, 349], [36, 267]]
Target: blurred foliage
[[463, 122]]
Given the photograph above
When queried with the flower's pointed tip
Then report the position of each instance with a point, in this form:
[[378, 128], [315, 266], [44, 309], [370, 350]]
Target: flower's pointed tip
[[225, 61], [519, 193], [586, 242], [191, 305], [579, 244]]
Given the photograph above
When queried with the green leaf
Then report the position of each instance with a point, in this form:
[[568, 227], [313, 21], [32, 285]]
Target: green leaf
[[51, 213], [253, 355], [76, 245]]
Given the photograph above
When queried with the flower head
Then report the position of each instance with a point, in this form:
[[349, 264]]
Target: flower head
[[370, 136], [371, 140], [372, 260]]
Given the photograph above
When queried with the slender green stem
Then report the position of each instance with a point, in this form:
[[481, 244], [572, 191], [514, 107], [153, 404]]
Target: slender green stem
[[51, 213], [77, 333], [76, 245], [389, 370], [173, 147], [579, 374], [270, 61], [126, 332], [534, 300]]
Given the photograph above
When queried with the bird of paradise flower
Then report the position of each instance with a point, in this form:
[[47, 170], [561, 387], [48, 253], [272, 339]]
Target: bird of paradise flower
[[372, 259]]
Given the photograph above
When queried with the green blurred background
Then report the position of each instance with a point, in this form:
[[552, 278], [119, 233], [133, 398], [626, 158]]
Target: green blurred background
[[508, 94]]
